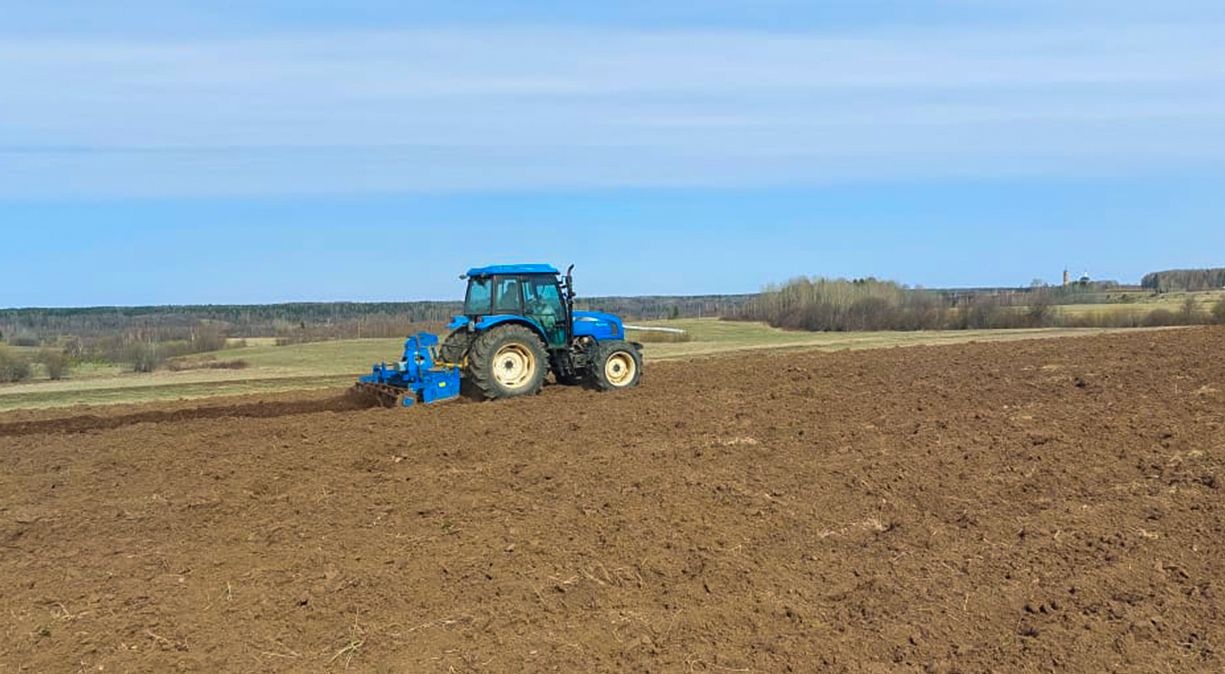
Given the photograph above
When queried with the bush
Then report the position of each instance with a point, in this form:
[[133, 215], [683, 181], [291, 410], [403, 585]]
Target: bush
[[207, 337], [13, 367], [922, 311], [55, 362], [1039, 312], [983, 313], [870, 313], [1190, 312], [1218, 312], [143, 356], [1105, 319], [1160, 318]]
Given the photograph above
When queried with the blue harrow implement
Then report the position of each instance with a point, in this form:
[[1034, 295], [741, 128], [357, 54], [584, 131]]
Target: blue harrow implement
[[416, 377]]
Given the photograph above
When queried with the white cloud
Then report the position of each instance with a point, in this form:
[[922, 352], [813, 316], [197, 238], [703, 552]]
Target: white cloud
[[530, 108]]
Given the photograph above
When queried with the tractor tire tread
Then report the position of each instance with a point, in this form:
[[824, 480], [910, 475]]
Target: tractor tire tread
[[455, 347]]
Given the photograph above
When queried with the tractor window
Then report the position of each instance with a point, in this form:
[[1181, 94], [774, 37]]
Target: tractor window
[[480, 292], [542, 299], [510, 296]]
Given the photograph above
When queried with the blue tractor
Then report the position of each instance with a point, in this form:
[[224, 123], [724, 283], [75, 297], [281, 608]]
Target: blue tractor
[[519, 324]]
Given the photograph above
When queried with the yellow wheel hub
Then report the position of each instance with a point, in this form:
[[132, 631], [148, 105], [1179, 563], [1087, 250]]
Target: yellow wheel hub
[[620, 369], [514, 365]]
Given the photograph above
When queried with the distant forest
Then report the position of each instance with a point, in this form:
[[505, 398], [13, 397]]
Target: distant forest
[[312, 320], [1185, 279]]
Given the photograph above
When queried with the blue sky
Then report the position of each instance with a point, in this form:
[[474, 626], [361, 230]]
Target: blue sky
[[193, 152]]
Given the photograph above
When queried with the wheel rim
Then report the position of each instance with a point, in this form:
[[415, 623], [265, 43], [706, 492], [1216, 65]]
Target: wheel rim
[[514, 365], [620, 369]]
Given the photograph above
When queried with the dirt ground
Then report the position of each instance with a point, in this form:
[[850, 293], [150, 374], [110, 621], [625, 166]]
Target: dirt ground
[[1052, 505]]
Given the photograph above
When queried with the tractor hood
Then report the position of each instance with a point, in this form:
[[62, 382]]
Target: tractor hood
[[598, 324]]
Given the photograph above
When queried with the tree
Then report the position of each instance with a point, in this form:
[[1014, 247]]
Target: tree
[[13, 367], [1039, 312], [1189, 313], [55, 361], [143, 356]]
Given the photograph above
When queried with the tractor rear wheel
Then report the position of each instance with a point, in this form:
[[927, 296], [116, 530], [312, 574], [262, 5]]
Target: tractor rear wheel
[[614, 365], [507, 361]]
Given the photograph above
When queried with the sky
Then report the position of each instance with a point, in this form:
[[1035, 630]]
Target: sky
[[161, 152]]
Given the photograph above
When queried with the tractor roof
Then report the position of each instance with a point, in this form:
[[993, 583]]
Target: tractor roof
[[512, 269]]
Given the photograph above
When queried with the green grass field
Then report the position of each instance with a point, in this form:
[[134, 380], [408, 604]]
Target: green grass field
[[712, 336], [1141, 303], [319, 365]]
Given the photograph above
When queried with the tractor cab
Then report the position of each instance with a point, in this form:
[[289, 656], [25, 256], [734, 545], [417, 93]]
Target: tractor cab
[[530, 291]]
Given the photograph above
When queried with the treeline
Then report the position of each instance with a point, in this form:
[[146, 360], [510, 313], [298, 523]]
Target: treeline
[[325, 320], [24, 326], [840, 305], [147, 338], [1184, 279], [146, 349]]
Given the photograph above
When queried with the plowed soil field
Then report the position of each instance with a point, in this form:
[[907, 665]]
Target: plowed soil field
[[1052, 505]]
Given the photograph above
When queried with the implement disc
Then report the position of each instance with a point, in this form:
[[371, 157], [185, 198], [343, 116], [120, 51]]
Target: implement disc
[[376, 395]]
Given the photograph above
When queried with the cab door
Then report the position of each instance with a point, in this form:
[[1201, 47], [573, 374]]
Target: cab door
[[542, 303]]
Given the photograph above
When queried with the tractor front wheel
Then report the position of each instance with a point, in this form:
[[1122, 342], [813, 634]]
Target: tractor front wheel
[[614, 365], [507, 361]]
